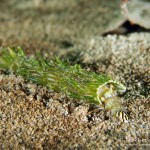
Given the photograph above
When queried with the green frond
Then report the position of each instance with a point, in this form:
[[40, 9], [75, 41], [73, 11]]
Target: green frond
[[55, 74]]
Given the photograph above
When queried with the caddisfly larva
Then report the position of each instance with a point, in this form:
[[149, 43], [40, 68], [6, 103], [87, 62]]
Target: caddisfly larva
[[71, 80], [108, 96]]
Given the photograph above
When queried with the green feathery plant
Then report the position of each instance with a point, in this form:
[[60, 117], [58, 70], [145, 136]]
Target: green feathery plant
[[61, 77]]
